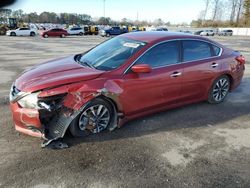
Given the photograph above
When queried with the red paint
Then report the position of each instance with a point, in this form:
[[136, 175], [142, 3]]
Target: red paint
[[139, 92], [141, 68], [25, 117], [52, 33]]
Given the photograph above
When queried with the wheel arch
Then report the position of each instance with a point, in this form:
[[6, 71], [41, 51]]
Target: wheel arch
[[230, 79]]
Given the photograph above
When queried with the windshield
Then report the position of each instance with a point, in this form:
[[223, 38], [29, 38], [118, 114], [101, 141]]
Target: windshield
[[111, 54]]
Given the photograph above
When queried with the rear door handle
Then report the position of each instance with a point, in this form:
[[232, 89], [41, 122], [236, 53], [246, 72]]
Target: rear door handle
[[214, 65], [176, 74]]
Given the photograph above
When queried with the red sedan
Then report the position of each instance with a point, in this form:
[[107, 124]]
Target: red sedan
[[57, 32], [126, 77]]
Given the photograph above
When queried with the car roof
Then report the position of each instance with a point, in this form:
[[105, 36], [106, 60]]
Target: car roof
[[156, 36]]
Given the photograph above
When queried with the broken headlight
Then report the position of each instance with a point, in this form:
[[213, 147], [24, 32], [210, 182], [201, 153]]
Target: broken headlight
[[29, 101], [51, 103]]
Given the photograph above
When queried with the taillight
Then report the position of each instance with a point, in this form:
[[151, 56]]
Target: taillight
[[241, 59]]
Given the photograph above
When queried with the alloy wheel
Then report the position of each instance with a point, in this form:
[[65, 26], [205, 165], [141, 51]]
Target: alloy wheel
[[220, 89], [95, 118]]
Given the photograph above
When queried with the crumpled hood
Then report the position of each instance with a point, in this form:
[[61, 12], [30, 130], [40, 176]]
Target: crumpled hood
[[54, 73]]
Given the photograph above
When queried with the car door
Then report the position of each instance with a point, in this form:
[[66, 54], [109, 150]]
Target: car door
[[160, 87], [20, 31], [52, 32], [26, 31], [200, 66], [116, 31]]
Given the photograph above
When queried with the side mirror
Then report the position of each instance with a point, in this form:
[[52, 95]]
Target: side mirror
[[142, 68]]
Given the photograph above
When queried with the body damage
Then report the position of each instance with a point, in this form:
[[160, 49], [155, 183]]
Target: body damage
[[54, 96], [59, 106]]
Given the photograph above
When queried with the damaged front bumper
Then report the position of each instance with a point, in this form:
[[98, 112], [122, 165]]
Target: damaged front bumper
[[26, 121], [48, 117], [43, 117]]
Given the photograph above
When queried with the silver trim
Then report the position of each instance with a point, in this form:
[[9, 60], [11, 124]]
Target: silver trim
[[221, 50], [214, 65]]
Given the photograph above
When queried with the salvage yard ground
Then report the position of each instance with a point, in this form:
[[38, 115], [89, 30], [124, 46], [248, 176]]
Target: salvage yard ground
[[199, 145]]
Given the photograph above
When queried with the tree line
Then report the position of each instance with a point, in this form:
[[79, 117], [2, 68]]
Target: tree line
[[216, 13], [224, 13], [70, 19], [45, 17]]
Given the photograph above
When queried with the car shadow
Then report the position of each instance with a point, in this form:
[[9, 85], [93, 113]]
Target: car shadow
[[195, 115]]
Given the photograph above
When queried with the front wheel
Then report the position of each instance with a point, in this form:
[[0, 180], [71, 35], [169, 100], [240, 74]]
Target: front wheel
[[63, 35], [219, 90], [94, 118]]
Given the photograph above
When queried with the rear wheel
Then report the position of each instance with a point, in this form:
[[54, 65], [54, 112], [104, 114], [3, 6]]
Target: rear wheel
[[63, 35], [107, 35], [219, 90], [12, 34], [94, 118], [81, 34], [46, 36]]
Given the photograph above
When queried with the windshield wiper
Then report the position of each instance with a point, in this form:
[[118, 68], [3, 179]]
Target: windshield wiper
[[77, 59], [88, 64]]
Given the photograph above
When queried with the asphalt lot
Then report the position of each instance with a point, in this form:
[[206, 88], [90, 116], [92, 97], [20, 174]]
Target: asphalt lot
[[200, 145]]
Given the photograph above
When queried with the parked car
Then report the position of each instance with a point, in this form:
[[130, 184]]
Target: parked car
[[113, 31], [185, 31], [75, 31], [161, 29], [126, 77], [198, 32], [23, 31], [57, 32], [207, 33], [227, 32]]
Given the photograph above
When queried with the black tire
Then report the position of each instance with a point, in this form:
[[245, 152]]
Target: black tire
[[74, 127], [218, 92], [32, 34], [107, 35], [46, 36], [63, 36], [81, 33], [207, 34], [12, 34]]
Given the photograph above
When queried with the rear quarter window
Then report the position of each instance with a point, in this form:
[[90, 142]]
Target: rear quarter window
[[216, 50], [195, 50]]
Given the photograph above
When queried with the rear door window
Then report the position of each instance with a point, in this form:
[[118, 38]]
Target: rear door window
[[195, 50]]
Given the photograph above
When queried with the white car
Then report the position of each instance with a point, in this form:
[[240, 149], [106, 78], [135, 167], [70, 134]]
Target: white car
[[76, 31], [23, 31], [207, 33]]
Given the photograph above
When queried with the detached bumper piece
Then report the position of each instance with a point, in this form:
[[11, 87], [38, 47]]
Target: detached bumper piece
[[55, 126]]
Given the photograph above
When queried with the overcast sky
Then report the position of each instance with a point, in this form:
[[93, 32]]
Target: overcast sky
[[175, 11]]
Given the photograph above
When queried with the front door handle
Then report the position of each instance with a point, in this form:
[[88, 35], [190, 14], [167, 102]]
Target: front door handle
[[214, 65], [176, 74]]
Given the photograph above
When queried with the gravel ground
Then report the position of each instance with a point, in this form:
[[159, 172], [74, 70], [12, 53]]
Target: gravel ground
[[200, 145]]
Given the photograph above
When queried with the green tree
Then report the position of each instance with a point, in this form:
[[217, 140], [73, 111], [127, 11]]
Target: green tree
[[5, 14], [247, 12], [104, 21]]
